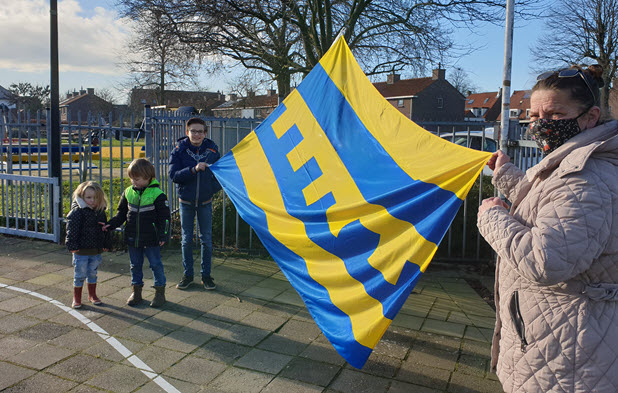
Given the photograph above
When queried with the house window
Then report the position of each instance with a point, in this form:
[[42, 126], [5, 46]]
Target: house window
[[514, 113], [486, 99], [440, 103], [528, 113], [400, 103]]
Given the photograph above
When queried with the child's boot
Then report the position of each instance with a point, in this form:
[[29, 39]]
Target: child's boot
[[92, 294], [136, 296], [77, 297], [159, 298]]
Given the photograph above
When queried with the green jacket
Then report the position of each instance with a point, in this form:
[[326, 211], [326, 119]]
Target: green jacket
[[147, 215]]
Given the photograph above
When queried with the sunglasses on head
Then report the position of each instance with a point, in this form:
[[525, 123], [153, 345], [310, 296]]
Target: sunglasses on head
[[569, 73]]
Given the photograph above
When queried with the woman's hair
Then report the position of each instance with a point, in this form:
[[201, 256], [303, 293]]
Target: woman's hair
[[582, 86], [99, 195], [141, 167]]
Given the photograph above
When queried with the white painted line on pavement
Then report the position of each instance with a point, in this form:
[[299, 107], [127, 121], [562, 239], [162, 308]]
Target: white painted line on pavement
[[117, 345]]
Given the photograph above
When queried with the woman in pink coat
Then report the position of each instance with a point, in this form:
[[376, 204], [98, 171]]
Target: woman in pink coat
[[557, 245]]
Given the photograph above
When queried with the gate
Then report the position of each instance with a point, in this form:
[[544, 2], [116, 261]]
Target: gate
[[29, 206]]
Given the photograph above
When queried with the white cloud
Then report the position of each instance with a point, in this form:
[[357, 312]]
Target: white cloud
[[86, 44]]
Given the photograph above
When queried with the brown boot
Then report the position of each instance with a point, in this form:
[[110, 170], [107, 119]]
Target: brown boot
[[77, 297], [159, 298], [136, 296], [92, 294]]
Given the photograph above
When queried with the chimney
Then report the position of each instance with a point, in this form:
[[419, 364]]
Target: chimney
[[468, 93], [392, 78], [271, 92], [82, 91], [438, 74], [75, 93], [250, 94], [230, 97], [90, 90], [69, 95]]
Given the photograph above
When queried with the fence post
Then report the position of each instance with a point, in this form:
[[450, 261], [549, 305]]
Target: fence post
[[148, 132]]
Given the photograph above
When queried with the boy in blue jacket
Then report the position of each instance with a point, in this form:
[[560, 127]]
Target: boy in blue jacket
[[189, 169]]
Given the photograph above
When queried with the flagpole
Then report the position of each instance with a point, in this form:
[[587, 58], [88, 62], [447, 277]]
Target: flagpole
[[506, 76]]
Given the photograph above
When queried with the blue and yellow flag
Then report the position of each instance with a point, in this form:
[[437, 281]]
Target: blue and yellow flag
[[350, 198]]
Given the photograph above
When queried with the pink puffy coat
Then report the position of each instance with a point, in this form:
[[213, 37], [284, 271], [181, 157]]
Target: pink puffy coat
[[557, 271]]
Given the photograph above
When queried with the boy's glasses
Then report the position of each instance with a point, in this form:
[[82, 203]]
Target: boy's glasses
[[197, 132], [569, 73]]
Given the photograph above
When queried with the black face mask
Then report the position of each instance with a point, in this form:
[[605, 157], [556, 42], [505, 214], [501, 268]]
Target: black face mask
[[551, 134]]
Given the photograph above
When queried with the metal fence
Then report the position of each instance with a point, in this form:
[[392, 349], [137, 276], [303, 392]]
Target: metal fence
[[100, 148]]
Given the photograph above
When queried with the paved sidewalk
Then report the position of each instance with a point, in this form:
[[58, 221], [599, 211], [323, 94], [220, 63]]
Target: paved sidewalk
[[252, 334]]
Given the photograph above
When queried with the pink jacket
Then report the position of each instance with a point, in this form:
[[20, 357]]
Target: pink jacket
[[557, 270]]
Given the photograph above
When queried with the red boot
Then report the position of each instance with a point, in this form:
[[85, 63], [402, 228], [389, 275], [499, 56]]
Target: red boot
[[92, 294], [77, 297]]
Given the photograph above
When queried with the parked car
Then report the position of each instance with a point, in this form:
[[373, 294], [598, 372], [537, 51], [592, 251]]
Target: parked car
[[474, 140]]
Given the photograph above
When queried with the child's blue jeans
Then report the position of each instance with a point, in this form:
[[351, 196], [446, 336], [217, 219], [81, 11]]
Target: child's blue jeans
[[85, 267], [137, 262]]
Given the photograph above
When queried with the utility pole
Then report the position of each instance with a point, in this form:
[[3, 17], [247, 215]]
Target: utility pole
[[506, 76], [54, 156]]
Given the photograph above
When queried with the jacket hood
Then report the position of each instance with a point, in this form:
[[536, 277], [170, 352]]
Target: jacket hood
[[79, 202], [600, 141]]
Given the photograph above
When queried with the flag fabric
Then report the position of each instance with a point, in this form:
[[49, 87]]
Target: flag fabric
[[349, 197]]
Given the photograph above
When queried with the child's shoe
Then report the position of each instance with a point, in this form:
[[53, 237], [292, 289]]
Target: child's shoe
[[77, 297], [136, 296], [159, 298], [92, 294]]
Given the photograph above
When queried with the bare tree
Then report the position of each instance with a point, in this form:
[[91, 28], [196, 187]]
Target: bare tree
[[288, 37], [156, 58], [581, 32], [460, 80]]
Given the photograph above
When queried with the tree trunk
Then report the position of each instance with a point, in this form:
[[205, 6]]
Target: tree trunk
[[283, 84]]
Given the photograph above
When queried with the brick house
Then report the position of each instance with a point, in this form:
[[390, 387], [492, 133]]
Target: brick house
[[83, 101], [424, 99], [484, 106], [252, 106], [520, 106], [203, 101]]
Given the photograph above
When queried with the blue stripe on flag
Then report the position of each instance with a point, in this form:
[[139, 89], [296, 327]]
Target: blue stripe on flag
[[334, 323], [428, 207]]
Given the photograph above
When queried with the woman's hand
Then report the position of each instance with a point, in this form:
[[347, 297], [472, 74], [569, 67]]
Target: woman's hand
[[491, 202], [497, 160]]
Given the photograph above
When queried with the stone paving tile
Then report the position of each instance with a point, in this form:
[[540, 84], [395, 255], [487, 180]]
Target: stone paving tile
[[48, 279], [281, 384], [278, 343], [19, 303], [182, 386], [265, 361], [36, 383], [323, 352], [12, 374], [41, 356], [159, 359], [12, 323], [479, 334], [12, 345], [86, 389], [43, 311], [144, 332], [222, 351], [380, 365], [473, 347], [245, 335], [436, 358], [196, 370], [286, 311], [300, 331], [473, 365], [423, 375], [80, 368], [395, 343], [444, 328], [119, 378], [263, 321], [290, 296], [227, 313], [208, 326], [77, 339], [403, 387], [462, 383], [408, 321], [183, 340], [310, 371], [236, 380], [262, 292], [352, 381], [44, 331]]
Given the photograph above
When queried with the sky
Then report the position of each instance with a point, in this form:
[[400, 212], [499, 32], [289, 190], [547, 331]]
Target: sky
[[91, 38]]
